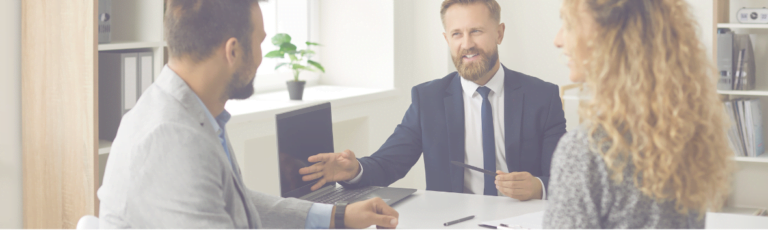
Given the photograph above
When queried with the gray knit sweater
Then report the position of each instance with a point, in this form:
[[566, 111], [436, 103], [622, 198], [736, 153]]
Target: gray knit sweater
[[582, 195]]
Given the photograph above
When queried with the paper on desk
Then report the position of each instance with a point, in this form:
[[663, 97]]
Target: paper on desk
[[526, 221]]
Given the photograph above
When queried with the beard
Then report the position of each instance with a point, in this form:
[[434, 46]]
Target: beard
[[477, 69], [237, 87]]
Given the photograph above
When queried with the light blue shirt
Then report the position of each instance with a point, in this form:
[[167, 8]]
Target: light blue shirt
[[319, 216]]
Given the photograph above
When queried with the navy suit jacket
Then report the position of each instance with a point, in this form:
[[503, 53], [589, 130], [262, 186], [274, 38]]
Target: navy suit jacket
[[434, 124]]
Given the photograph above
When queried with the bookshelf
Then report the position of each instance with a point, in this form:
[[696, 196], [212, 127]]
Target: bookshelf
[[63, 158], [749, 181], [136, 25]]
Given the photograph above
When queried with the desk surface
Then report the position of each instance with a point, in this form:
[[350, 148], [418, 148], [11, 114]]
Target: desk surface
[[430, 209]]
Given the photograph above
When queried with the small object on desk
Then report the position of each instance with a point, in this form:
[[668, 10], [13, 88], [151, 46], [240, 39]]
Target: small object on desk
[[526, 221], [449, 223], [473, 168], [761, 212]]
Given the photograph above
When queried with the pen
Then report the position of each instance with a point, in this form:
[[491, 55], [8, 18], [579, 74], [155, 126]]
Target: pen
[[459, 220], [473, 168]]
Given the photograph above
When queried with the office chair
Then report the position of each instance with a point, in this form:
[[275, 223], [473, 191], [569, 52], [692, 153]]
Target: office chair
[[88, 222]]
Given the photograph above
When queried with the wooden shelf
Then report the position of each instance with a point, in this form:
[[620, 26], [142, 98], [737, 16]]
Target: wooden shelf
[[759, 159], [744, 92], [122, 45], [739, 210], [104, 147], [742, 26]]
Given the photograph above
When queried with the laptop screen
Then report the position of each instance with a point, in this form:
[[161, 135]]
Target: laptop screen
[[300, 134]]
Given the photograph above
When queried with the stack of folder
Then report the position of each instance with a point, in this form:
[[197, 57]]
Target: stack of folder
[[735, 61], [746, 132]]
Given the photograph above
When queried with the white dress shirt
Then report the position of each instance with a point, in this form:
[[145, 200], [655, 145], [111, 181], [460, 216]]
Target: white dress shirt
[[473, 131]]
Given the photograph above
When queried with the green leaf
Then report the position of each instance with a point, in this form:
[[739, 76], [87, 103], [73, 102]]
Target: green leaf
[[316, 65], [312, 44], [281, 65], [287, 47], [299, 67], [275, 54], [306, 52], [293, 57], [281, 38]]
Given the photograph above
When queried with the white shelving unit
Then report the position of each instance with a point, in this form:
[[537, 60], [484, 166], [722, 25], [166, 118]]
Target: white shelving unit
[[759, 159], [742, 26], [118, 45], [136, 24], [750, 180], [743, 92]]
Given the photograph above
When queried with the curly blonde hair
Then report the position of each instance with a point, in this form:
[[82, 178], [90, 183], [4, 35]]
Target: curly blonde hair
[[653, 100]]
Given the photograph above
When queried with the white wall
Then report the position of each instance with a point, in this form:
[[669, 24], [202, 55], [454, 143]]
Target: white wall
[[10, 117], [528, 45], [357, 42], [421, 55]]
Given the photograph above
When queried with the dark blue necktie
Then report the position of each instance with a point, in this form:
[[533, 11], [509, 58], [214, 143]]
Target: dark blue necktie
[[489, 143]]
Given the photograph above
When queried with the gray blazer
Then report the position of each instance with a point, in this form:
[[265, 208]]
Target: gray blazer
[[167, 169]]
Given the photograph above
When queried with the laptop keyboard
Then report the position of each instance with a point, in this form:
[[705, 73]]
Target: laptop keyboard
[[342, 194]]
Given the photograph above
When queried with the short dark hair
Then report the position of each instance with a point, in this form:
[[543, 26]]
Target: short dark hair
[[194, 28]]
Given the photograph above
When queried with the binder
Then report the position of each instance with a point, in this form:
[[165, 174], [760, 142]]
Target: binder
[[749, 127], [130, 79], [733, 130], [743, 124], [120, 84], [725, 60], [739, 121], [146, 60], [756, 117], [740, 83], [745, 67]]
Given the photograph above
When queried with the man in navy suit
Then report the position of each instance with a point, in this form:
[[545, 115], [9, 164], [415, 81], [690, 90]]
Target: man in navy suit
[[483, 115]]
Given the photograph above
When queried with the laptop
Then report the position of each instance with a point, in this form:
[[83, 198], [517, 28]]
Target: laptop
[[306, 132]]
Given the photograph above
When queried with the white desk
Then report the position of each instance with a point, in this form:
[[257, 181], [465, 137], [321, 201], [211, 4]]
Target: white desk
[[430, 209]]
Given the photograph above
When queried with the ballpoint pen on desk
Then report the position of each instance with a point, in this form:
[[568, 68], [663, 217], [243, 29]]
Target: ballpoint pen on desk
[[507, 226], [449, 223]]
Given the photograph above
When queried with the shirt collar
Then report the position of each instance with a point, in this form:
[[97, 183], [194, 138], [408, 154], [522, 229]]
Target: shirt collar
[[217, 122], [496, 84]]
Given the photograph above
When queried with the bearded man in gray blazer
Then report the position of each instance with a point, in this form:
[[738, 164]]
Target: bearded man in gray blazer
[[171, 164]]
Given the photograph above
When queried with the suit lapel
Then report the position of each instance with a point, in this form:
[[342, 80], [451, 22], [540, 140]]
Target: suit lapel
[[239, 185], [454, 116], [513, 119]]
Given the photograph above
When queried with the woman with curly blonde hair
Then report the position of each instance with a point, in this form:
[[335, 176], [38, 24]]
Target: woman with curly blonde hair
[[652, 150]]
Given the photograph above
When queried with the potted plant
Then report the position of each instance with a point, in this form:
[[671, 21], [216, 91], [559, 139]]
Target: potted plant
[[295, 61]]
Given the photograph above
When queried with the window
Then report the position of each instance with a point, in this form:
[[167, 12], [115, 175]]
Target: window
[[284, 16]]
